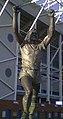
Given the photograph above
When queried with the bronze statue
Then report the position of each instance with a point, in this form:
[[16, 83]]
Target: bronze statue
[[31, 57]]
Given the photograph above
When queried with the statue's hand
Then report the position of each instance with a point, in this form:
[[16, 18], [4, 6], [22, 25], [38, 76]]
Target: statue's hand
[[51, 12], [16, 9]]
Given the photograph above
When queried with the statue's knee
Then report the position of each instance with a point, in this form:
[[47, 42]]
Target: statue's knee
[[29, 92], [27, 95]]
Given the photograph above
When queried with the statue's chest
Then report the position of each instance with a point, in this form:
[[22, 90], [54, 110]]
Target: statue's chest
[[29, 49]]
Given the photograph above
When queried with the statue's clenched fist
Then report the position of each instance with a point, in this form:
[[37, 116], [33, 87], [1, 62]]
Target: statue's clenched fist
[[16, 9], [51, 12]]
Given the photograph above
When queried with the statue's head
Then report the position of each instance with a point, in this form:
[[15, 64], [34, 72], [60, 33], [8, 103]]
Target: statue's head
[[34, 34]]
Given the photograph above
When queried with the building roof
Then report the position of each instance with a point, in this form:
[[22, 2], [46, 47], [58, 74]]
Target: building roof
[[33, 10]]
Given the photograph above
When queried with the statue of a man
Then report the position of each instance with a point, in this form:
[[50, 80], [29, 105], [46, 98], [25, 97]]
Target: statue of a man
[[31, 50]]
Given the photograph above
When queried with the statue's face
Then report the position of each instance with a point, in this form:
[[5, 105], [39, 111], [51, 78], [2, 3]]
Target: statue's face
[[34, 36]]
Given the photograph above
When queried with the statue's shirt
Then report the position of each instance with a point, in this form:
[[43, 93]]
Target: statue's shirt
[[31, 58]]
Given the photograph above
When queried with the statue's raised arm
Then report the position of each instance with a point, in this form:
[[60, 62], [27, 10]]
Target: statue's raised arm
[[16, 10], [51, 29]]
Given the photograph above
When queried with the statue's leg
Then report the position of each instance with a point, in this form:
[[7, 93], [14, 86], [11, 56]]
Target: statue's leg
[[27, 85], [36, 88]]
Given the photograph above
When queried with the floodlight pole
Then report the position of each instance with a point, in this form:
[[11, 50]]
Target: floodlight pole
[[4, 7], [37, 17]]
